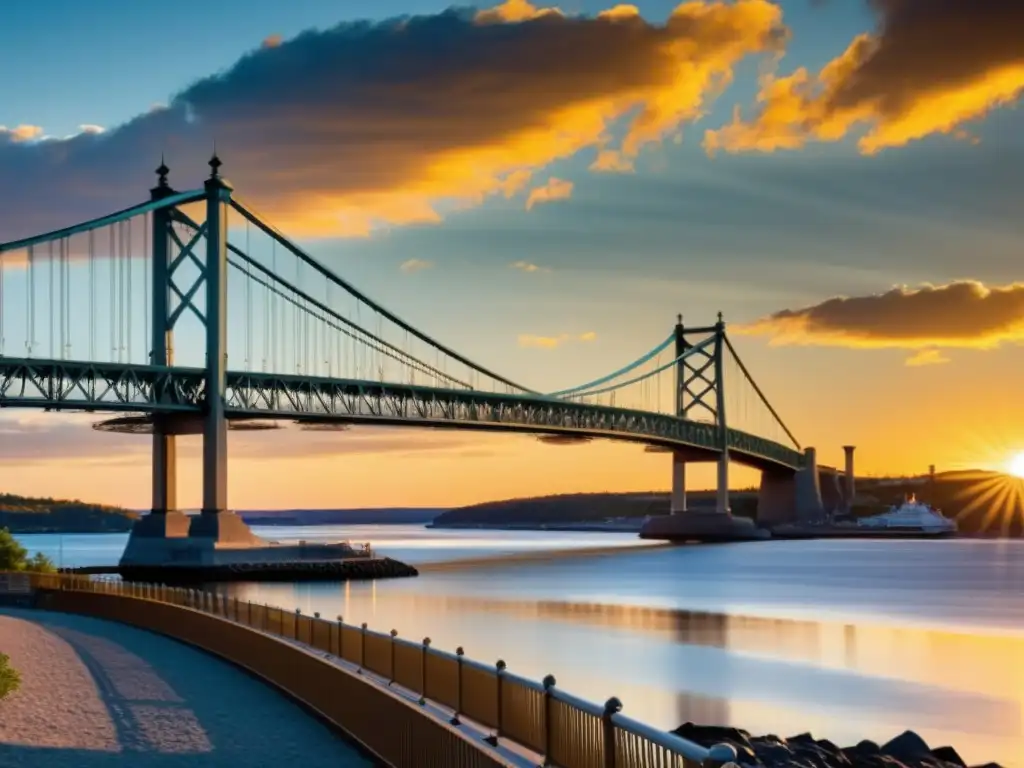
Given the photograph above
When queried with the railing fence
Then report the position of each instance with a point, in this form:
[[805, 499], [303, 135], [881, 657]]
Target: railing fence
[[566, 731]]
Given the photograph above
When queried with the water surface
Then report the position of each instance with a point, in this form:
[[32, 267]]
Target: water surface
[[848, 639]]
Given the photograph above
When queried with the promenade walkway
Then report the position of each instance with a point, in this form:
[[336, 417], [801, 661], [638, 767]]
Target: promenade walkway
[[97, 694]]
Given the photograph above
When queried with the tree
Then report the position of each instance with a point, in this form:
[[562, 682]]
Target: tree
[[14, 557], [12, 554], [9, 677]]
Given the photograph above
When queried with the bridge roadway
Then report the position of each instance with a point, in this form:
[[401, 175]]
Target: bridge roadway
[[63, 385]]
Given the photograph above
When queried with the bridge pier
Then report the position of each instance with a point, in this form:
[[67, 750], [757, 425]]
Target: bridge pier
[[677, 505], [150, 536], [722, 486], [215, 522]]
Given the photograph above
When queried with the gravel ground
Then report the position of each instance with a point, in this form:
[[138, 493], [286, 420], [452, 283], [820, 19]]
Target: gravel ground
[[96, 694]]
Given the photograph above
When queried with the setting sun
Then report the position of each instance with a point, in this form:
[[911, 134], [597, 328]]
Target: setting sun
[[1016, 465]]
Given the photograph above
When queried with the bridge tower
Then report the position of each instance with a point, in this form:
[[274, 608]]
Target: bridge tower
[[166, 521], [677, 503], [167, 529], [700, 395]]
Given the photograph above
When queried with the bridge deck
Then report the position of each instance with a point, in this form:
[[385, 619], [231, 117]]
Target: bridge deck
[[71, 385]]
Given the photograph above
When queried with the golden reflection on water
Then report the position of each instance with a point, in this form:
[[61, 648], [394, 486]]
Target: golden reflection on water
[[840, 680]]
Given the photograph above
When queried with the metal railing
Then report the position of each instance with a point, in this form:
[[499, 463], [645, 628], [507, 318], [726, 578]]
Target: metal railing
[[567, 732]]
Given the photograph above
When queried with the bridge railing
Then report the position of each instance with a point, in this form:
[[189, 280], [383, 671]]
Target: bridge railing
[[566, 731]]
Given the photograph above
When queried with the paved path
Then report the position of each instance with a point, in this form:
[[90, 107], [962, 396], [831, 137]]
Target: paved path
[[97, 694]]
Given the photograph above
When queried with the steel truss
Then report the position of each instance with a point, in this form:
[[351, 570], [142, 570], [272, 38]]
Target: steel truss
[[65, 385]]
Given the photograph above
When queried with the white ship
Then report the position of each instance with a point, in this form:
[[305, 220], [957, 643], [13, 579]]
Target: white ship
[[911, 517]]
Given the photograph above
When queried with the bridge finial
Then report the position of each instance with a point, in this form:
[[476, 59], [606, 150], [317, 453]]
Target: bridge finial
[[215, 165], [720, 317], [679, 319], [161, 173]]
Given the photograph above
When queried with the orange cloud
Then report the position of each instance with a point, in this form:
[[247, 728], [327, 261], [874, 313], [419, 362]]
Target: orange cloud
[[526, 266], [272, 41], [612, 161], [554, 189], [20, 133], [368, 124], [415, 265], [514, 11], [933, 66], [551, 342], [927, 357], [959, 314]]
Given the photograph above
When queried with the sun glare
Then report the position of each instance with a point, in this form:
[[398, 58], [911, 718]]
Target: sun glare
[[1016, 465]]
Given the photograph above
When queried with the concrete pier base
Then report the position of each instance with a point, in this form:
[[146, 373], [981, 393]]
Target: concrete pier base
[[219, 546], [701, 526], [225, 530]]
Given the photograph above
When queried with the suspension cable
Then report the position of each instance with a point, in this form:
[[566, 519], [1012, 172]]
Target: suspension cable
[[626, 369], [695, 348], [760, 394]]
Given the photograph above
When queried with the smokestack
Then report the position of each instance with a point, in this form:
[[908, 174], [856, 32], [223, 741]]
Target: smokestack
[[851, 489]]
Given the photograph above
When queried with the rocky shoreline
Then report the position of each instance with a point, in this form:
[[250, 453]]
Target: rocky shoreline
[[908, 750]]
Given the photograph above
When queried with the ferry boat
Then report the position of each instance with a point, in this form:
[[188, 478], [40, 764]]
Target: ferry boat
[[912, 517]]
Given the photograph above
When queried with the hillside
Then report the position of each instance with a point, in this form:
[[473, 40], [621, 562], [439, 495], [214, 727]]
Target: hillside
[[27, 514], [961, 495], [585, 507], [375, 516]]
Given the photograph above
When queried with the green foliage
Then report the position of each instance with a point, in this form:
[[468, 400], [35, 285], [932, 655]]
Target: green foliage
[[40, 563], [9, 677], [25, 514], [14, 557], [12, 554]]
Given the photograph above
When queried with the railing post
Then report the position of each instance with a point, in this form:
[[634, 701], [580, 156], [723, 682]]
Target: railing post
[[394, 634], [720, 755], [499, 673], [549, 683], [362, 649], [423, 672], [341, 638], [295, 626], [459, 653], [611, 707]]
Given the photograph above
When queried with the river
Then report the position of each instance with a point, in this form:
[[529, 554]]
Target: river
[[847, 639]]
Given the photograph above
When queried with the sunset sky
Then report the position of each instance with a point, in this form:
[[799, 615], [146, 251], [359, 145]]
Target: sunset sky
[[841, 178]]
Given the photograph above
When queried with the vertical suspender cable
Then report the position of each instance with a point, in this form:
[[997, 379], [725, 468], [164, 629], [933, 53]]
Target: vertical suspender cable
[[147, 256], [128, 292], [50, 313], [112, 315], [272, 323], [30, 303], [67, 297], [248, 298], [266, 324], [92, 295], [63, 291], [2, 303]]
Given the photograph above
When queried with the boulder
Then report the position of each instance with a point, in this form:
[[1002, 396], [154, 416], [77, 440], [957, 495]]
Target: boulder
[[908, 750]]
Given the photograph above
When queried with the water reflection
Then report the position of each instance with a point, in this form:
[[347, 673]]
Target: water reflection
[[844, 681]]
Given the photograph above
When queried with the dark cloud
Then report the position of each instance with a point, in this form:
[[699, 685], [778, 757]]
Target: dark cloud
[[336, 130], [931, 67], [960, 314]]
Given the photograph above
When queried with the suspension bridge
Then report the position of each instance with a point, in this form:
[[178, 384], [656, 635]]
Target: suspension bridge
[[191, 314]]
